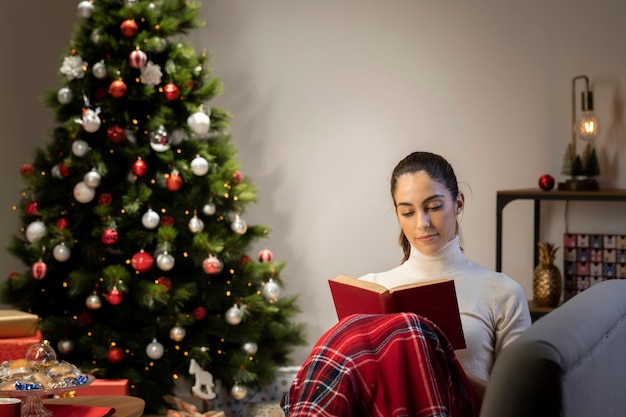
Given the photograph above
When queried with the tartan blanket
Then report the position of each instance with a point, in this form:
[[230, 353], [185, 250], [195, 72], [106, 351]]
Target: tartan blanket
[[381, 365]]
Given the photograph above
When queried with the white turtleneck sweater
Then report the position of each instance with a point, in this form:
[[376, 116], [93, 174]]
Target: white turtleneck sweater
[[493, 306]]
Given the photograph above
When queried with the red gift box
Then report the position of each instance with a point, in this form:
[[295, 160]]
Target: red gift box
[[105, 387], [16, 347]]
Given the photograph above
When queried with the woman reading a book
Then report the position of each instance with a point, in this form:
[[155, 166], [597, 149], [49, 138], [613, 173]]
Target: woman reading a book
[[493, 306]]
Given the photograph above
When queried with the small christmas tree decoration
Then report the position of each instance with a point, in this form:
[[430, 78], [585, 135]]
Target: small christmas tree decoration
[[65, 346], [142, 261], [115, 297], [80, 148], [238, 392], [115, 354], [65, 95], [196, 225], [35, 231], [265, 255], [165, 262], [234, 315], [199, 123], [93, 302], [129, 28], [211, 265], [83, 193], [199, 166], [90, 120], [61, 252], [116, 134], [154, 350], [39, 269], [117, 89], [238, 225], [159, 140], [92, 179], [137, 59], [171, 92], [271, 291], [73, 67], [140, 167], [99, 70], [150, 219], [85, 9], [177, 333], [151, 74], [31, 208]]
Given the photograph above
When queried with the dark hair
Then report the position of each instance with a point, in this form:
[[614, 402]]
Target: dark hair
[[437, 168]]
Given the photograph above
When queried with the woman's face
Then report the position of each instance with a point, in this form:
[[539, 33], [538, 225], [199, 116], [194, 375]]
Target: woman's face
[[426, 211]]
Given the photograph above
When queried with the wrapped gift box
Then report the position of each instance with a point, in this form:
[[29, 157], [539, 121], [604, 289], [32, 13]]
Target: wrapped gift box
[[105, 387], [16, 347], [15, 323]]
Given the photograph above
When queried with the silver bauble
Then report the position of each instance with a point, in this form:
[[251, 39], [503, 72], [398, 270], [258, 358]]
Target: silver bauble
[[65, 346], [83, 193], [65, 95], [238, 225], [196, 225], [209, 209], [250, 348], [177, 333], [159, 141], [150, 219], [234, 315], [271, 290], [154, 350], [93, 302], [85, 9], [199, 122], [130, 3], [238, 392], [80, 148], [35, 231], [199, 166], [61, 252], [92, 179], [165, 261], [99, 70], [96, 36]]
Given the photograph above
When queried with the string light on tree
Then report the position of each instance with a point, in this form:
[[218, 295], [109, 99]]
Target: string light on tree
[[234, 315]]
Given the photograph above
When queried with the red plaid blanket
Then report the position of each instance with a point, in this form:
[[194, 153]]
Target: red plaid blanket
[[381, 365]]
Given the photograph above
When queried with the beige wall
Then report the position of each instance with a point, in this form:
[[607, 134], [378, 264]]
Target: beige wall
[[328, 95]]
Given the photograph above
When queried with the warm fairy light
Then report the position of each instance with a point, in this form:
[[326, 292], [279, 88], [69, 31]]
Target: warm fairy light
[[137, 80], [89, 334], [174, 376], [147, 368], [177, 347], [134, 121], [152, 181], [225, 195], [179, 151], [219, 352], [123, 211], [185, 353], [163, 210], [42, 173], [113, 344], [185, 255], [65, 285], [13, 208], [186, 212], [74, 317], [157, 27], [235, 198]]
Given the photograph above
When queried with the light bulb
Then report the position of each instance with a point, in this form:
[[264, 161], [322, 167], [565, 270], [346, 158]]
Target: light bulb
[[587, 126]]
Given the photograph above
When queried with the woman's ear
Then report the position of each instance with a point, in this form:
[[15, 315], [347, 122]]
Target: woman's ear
[[460, 203]]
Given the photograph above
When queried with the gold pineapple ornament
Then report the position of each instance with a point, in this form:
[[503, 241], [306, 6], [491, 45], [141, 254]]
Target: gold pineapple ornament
[[547, 282]]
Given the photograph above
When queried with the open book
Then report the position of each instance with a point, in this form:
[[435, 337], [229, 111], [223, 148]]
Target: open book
[[436, 300]]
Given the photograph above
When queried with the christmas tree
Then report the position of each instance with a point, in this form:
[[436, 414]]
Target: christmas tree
[[138, 257]]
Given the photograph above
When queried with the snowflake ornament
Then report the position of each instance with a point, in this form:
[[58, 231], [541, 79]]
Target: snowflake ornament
[[73, 67], [151, 74]]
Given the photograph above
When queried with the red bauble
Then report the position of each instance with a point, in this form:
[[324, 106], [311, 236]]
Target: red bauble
[[26, 169], [212, 265], [140, 167], [237, 177], [31, 208], [164, 282], [546, 182], [109, 236], [137, 59], [174, 182], [142, 261], [265, 255], [115, 355], [129, 28], [244, 259], [166, 221], [64, 170], [115, 297], [39, 270], [62, 223], [105, 199], [199, 313], [116, 134], [171, 92], [117, 89]]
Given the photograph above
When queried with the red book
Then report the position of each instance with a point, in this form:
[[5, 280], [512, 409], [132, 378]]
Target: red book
[[436, 300]]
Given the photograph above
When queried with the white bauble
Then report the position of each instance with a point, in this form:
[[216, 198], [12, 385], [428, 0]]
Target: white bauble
[[80, 148], [234, 315], [99, 70], [199, 166], [93, 302], [154, 350], [165, 261], [238, 392], [271, 290], [35, 231], [85, 9], [199, 122], [65, 346], [196, 225], [250, 348], [238, 225], [209, 209], [65, 95], [177, 333], [61, 252], [83, 193], [92, 179], [150, 219]]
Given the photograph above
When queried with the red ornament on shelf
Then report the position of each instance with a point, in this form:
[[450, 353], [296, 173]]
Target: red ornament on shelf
[[116, 134], [31, 208], [174, 182], [129, 28], [265, 255], [140, 167], [117, 89], [115, 297], [546, 182], [109, 236], [115, 355], [142, 261], [171, 92], [39, 269]]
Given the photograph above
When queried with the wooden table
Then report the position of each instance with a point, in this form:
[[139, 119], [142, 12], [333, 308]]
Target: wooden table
[[125, 405]]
